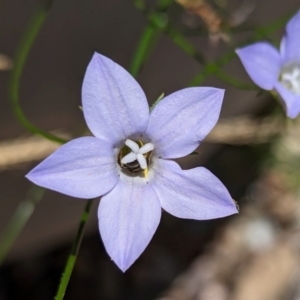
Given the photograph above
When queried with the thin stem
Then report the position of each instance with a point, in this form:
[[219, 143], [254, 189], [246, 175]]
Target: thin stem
[[234, 81], [19, 63], [264, 31], [159, 21], [19, 219], [73, 255], [214, 68], [149, 36], [184, 44]]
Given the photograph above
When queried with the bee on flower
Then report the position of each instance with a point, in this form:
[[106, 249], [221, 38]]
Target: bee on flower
[[130, 160]]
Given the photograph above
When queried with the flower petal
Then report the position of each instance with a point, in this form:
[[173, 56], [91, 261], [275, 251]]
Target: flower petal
[[191, 194], [114, 105], [262, 63], [83, 168], [180, 121], [128, 218], [291, 101], [291, 41]]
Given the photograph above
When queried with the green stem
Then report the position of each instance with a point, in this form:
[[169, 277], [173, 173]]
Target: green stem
[[264, 31], [182, 43], [214, 68], [146, 43], [73, 255], [158, 20], [19, 61], [19, 220], [149, 36], [234, 81]]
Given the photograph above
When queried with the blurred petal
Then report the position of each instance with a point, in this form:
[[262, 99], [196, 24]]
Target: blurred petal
[[128, 218], [83, 168], [191, 194], [114, 105], [282, 48], [262, 63], [181, 121], [291, 100], [291, 41]]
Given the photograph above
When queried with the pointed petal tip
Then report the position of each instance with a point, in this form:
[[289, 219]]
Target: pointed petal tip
[[76, 168], [238, 51], [126, 223], [232, 210], [184, 118], [99, 56], [222, 92], [231, 206], [31, 176], [228, 209], [122, 265], [28, 175], [102, 59], [103, 81]]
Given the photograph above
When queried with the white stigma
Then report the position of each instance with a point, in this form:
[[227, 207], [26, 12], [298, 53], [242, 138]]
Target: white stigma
[[290, 78], [137, 153]]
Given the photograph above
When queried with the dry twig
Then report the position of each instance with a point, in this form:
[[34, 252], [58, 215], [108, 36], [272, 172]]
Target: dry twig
[[235, 131]]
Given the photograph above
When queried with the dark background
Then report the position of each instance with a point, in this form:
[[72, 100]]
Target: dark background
[[50, 96]]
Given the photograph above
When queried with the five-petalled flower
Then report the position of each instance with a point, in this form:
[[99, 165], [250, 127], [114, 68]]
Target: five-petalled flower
[[130, 163], [280, 70]]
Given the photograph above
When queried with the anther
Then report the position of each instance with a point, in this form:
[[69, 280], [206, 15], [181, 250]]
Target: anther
[[146, 148], [138, 154], [142, 161], [132, 145], [130, 157]]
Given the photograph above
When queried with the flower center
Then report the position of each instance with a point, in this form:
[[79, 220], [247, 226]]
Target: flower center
[[290, 78], [135, 156]]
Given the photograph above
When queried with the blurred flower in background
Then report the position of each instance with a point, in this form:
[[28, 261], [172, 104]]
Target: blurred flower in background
[[280, 70]]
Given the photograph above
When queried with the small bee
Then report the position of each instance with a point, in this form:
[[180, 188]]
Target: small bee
[[134, 166]]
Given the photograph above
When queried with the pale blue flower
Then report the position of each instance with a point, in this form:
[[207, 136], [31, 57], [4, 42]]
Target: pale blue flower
[[130, 163], [280, 70]]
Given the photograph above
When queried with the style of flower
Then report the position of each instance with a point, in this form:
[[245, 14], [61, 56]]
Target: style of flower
[[280, 70], [130, 163]]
